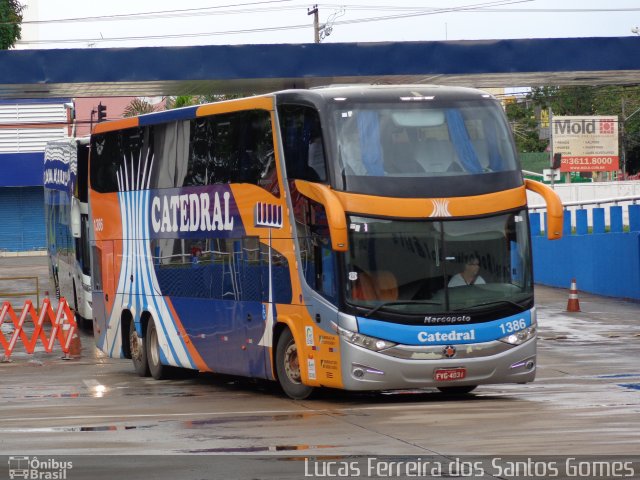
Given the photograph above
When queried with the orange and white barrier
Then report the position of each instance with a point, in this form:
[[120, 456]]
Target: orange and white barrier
[[573, 305], [63, 328]]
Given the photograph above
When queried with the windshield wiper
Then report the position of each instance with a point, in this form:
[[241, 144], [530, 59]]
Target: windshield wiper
[[486, 304], [400, 302]]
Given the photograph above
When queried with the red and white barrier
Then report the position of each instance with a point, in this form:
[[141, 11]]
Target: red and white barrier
[[63, 328]]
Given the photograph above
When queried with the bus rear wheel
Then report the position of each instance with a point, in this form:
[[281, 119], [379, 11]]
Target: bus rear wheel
[[156, 368], [459, 390], [138, 351], [288, 368]]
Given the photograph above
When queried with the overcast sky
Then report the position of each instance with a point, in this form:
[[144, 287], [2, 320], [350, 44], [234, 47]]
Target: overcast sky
[[200, 22]]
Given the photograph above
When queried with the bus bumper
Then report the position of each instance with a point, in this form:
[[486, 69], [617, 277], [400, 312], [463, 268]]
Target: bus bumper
[[368, 370]]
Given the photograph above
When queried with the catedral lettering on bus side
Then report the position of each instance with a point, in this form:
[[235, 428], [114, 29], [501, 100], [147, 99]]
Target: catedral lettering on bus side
[[343, 237], [190, 213]]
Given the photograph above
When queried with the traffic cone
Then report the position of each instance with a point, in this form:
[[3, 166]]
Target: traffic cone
[[573, 305], [75, 347]]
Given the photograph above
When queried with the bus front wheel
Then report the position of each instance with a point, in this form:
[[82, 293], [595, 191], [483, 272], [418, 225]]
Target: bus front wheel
[[138, 351], [288, 368], [157, 369]]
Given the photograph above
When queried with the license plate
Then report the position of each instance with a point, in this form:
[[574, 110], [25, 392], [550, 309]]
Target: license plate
[[448, 374]]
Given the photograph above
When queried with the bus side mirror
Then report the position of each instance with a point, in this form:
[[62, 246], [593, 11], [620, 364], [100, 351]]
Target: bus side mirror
[[555, 214], [336, 217], [557, 161], [76, 228]]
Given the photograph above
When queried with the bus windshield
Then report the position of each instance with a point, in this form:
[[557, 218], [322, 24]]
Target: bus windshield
[[434, 267], [418, 139]]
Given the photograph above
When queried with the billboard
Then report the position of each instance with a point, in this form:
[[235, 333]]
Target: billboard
[[587, 144]]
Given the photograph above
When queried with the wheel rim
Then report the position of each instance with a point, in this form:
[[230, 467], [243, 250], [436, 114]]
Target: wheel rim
[[136, 346], [153, 340], [291, 363]]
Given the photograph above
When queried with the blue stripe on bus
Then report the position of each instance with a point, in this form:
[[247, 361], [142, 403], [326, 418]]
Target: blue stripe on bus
[[186, 113], [444, 334]]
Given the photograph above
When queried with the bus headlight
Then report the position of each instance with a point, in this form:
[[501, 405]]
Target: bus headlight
[[521, 336], [365, 341]]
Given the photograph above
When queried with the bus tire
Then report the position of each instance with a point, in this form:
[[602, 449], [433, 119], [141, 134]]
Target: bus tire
[[156, 368], [288, 368], [138, 349], [459, 390]]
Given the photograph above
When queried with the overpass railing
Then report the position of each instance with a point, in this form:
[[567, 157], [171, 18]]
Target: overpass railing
[[622, 213]]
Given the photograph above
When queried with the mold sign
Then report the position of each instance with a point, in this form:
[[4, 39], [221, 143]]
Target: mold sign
[[587, 144]]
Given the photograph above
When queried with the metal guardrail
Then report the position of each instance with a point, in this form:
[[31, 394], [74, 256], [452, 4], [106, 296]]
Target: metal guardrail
[[21, 293], [635, 199], [533, 174]]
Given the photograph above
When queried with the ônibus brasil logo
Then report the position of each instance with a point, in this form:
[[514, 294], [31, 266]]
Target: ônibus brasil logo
[[37, 469]]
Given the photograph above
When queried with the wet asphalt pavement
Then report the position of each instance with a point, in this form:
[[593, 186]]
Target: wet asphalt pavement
[[585, 400]]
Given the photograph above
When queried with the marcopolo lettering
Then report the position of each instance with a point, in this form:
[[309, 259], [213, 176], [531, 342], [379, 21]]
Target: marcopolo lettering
[[191, 212], [447, 319], [576, 127]]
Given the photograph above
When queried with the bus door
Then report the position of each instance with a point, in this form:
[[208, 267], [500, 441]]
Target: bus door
[[103, 281], [235, 319], [252, 313]]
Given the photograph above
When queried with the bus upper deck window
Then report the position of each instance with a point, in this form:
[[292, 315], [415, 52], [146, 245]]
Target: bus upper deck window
[[302, 138]]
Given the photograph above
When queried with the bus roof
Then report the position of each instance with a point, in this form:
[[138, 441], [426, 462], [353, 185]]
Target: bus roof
[[370, 92]]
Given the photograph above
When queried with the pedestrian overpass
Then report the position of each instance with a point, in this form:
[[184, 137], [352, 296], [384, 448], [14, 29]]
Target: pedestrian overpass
[[150, 71]]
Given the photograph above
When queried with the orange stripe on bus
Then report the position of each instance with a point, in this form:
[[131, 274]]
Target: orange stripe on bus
[[434, 207], [264, 102], [200, 363], [116, 125]]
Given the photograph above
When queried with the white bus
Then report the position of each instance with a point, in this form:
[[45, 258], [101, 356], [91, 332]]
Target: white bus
[[67, 227]]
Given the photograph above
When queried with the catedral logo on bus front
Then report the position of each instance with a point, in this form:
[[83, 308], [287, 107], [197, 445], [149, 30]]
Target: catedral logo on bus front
[[587, 144]]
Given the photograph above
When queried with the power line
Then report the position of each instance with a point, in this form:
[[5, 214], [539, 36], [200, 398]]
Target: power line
[[411, 14], [157, 14], [218, 10], [484, 7]]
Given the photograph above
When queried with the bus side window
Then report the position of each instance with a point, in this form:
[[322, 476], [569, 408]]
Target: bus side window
[[233, 148], [255, 142], [318, 259], [304, 153], [106, 161]]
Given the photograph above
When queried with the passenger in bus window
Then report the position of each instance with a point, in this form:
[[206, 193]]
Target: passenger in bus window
[[468, 276], [316, 161]]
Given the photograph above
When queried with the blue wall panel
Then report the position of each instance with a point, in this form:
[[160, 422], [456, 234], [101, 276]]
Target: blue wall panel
[[605, 264], [21, 169], [22, 214]]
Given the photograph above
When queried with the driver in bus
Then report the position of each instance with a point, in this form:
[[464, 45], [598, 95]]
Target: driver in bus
[[470, 274]]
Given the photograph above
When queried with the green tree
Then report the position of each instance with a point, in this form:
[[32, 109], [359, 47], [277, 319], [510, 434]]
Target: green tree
[[10, 23], [623, 101], [138, 106], [567, 100], [181, 101], [189, 100], [524, 125]]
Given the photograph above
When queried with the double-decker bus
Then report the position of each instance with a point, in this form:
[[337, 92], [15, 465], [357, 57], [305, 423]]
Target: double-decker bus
[[362, 238], [66, 166]]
